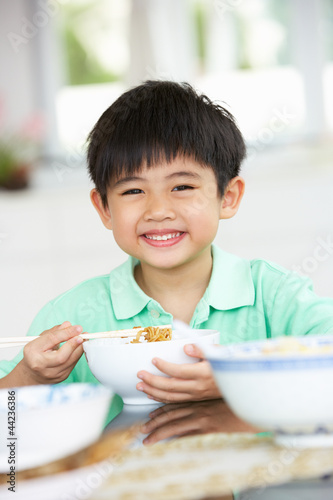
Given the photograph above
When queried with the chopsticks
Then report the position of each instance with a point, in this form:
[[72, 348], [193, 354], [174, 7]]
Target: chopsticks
[[113, 334]]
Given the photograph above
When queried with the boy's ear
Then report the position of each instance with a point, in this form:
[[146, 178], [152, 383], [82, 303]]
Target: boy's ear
[[232, 197], [103, 211]]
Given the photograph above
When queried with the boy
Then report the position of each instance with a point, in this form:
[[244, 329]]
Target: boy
[[165, 162]]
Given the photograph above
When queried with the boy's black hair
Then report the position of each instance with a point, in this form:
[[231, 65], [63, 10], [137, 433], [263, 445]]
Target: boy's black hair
[[157, 121]]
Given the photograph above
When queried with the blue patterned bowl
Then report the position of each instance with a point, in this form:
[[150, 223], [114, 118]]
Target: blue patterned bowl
[[43, 423], [282, 385]]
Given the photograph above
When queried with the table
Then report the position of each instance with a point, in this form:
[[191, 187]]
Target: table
[[168, 423], [196, 450]]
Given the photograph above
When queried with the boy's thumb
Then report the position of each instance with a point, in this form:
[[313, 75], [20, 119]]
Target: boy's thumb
[[193, 351]]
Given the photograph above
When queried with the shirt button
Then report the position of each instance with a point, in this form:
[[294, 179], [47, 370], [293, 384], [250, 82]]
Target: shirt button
[[154, 313]]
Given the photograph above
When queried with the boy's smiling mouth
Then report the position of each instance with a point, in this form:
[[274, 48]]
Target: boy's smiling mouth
[[163, 237]]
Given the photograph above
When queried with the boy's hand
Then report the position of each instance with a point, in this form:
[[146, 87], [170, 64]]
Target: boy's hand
[[187, 382], [44, 362]]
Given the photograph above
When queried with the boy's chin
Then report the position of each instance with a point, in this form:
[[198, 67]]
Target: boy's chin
[[166, 263]]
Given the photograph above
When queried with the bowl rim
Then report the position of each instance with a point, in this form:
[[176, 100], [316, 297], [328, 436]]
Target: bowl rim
[[45, 396], [203, 332], [248, 352]]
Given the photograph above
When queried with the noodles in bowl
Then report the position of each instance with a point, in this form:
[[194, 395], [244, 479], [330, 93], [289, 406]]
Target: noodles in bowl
[[153, 334]]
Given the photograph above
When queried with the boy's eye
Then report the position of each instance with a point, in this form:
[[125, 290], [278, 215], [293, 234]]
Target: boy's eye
[[133, 191], [183, 187]]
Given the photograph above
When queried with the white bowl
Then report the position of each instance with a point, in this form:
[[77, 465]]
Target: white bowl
[[43, 423], [288, 392], [116, 362]]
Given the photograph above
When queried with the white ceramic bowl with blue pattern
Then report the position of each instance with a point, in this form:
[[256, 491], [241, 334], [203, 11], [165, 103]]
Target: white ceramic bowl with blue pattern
[[283, 385], [42, 423]]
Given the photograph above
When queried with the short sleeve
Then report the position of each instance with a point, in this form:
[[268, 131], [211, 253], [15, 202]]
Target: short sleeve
[[44, 320]]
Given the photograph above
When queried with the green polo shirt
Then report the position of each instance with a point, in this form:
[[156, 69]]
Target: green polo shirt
[[245, 300]]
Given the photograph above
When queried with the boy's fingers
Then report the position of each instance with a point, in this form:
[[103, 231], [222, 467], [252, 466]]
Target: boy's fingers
[[65, 324], [164, 396], [155, 386], [56, 337], [169, 384], [56, 328], [59, 372], [193, 350], [187, 371], [68, 353], [75, 356], [196, 385]]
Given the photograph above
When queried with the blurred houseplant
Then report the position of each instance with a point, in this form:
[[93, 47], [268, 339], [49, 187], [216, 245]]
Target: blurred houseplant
[[19, 153]]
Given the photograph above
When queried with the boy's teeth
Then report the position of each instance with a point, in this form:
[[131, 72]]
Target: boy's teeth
[[163, 237]]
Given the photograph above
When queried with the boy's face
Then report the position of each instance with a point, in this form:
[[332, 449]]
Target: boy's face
[[168, 214]]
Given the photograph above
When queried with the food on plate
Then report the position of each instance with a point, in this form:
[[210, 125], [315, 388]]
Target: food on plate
[[292, 345]]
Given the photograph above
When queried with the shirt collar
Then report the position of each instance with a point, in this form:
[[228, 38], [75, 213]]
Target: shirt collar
[[128, 299], [231, 284]]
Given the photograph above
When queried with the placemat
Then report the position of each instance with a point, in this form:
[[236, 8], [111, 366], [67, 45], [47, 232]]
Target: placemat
[[209, 465]]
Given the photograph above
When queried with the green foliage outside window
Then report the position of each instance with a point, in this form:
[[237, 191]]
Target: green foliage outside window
[[83, 65]]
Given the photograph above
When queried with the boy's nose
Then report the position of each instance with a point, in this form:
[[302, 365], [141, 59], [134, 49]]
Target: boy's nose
[[158, 208]]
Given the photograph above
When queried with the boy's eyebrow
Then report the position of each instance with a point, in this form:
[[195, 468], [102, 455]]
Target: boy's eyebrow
[[183, 173], [125, 180]]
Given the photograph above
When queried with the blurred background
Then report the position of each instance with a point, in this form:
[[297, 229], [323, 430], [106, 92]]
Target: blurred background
[[63, 62]]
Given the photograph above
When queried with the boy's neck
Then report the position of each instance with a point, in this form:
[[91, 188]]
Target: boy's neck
[[178, 290]]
